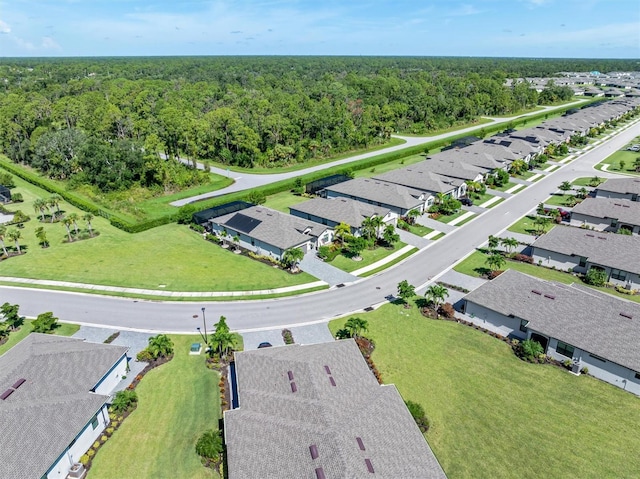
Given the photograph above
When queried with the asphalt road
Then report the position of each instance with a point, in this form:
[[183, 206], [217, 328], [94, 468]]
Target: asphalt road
[[320, 306], [245, 181]]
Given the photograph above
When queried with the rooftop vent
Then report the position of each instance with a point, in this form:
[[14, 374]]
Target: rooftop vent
[[535, 291], [326, 368], [360, 444], [590, 235], [626, 315], [320, 473], [549, 296], [332, 381], [18, 383], [290, 374], [369, 465], [294, 388], [602, 237], [313, 449], [6, 394]]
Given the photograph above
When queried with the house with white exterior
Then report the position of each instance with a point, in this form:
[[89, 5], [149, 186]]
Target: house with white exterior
[[316, 412], [593, 329], [397, 198], [54, 404], [422, 176], [269, 232], [333, 211], [607, 214], [622, 188], [576, 249]]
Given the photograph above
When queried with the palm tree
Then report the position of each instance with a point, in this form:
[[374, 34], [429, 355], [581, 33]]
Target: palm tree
[[40, 205], [406, 291], [160, 346], [412, 215], [368, 229], [74, 217], [564, 186], [355, 326], [222, 339], [389, 235], [51, 202], [436, 294], [67, 224], [15, 235], [292, 257], [41, 234], [88, 217], [493, 242], [377, 222], [3, 232], [341, 230], [541, 222], [509, 243], [495, 262], [54, 200], [236, 242]]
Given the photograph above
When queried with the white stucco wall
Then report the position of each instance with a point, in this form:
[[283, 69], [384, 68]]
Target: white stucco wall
[[112, 378], [83, 442], [509, 326], [612, 194], [560, 261]]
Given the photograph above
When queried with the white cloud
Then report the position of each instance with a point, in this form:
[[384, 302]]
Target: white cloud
[[4, 27], [465, 10], [49, 43]]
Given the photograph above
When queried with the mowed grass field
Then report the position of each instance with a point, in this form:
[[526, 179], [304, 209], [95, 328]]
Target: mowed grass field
[[494, 416], [177, 402], [170, 257]]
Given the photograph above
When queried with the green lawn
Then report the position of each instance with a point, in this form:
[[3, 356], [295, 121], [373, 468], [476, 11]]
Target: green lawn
[[629, 157], [494, 416], [526, 175], [584, 181], [170, 255], [461, 126], [495, 203], [447, 218], [419, 230], [282, 201], [63, 329], [504, 187], [466, 220], [369, 256], [258, 170], [389, 264], [520, 112], [177, 402], [392, 165], [559, 200], [482, 199], [526, 226]]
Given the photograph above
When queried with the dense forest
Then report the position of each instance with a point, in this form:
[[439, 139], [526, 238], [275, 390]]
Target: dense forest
[[105, 122]]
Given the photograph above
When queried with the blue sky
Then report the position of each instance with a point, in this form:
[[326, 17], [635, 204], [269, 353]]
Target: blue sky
[[531, 28]]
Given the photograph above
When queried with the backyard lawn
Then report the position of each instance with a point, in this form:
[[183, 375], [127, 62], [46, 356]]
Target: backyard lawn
[[369, 256], [63, 329], [169, 257], [283, 200], [177, 402], [494, 416]]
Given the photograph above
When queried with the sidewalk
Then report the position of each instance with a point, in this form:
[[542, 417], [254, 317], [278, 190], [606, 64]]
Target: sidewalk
[[325, 271], [383, 261]]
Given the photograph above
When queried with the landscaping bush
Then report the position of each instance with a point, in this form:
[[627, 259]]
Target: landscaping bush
[[447, 311], [419, 415], [528, 350], [124, 401], [144, 356], [595, 277], [287, 336], [209, 447], [197, 228], [45, 323], [523, 258]]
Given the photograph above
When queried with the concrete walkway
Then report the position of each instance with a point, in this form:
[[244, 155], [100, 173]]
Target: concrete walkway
[[307, 334], [490, 201], [521, 237], [501, 194], [383, 261], [424, 220], [413, 240], [462, 280], [325, 271], [515, 188], [461, 218]]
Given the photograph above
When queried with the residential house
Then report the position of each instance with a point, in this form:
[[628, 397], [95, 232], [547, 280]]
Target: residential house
[[435, 176], [607, 214], [398, 199], [54, 404], [317, 411], [576, 249], [269, 232], [594, 330], [622, 188], [5, 194], [333, 211]]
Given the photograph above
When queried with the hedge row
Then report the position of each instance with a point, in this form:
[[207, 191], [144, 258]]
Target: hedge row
[[186, 211]]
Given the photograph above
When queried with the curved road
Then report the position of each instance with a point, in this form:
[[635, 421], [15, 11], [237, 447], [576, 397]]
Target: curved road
[[419, 269], [245, 181]]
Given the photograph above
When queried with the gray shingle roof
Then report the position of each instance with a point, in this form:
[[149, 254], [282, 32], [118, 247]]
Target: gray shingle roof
[[41, 418], [382, 192], [272, 227], [626, 211], [605, 249], [588, 320], [269, 436], [341, 210], [624, 186]]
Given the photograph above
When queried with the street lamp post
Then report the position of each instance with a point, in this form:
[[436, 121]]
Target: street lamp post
[[204, 323]]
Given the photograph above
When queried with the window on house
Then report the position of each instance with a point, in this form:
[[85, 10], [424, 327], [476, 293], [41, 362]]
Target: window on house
[[94, 422], [523, 325], [618, 274], [637, 376], [583, 262], [614, 223], [565, 349]]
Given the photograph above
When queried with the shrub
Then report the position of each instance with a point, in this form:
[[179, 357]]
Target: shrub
[[109, 430], [213, 238], [45, 323], [419, 416], [529, 349], [209, 445], [595, 277], [523, 257], [124, 401], [144, 356], [567, 363], [623, 290], [96, 445], [585, 370], [91, 453], [287, 336], [447, 310], [17, 198], [84, 460], [198, 228]]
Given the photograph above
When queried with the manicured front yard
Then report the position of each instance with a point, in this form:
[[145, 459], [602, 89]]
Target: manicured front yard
[[177, 402], [504, 187], [585, 181], [63, 329], [559, 200], [448, 218], [369, 256], [526, 226], [170, 255], [419, 230], [494, 416], [629, 158]]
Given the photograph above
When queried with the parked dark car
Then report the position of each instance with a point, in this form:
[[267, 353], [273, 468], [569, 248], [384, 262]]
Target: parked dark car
[[264, 345], [466, 201]]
